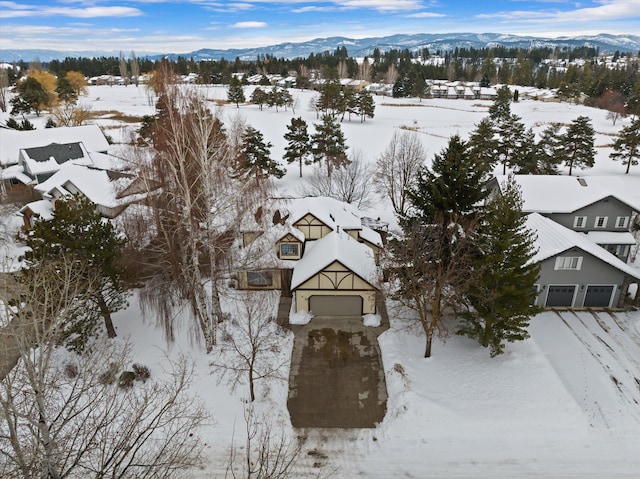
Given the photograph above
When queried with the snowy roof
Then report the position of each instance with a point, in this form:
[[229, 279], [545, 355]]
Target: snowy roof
[[42, 208], [371, 236], [45, 159], [330, 211], [12, 141], [94, 184], [611, 237], [15, 172], [566, 194], [553, 239], [335, 247]]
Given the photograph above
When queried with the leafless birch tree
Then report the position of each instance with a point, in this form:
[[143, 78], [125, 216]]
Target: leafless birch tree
[[396, 168], [197, 208]]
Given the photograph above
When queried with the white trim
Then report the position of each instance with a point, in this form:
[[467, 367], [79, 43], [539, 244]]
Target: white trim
[[613, 294], [583, 220], [561, 263], [573, 300], [604, 219], [625, 222]]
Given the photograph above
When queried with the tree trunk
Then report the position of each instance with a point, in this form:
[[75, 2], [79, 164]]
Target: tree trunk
[[427, 350], [106, 314], [252, 392], [300, 167]]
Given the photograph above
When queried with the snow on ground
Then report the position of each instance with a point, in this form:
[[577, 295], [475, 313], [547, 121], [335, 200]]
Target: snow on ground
[[563, 404]]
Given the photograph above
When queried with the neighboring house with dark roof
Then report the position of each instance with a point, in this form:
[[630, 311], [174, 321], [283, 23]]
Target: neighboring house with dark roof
[[574, 271], [42, 162], [111, 192], [319, 250], [602, 207]]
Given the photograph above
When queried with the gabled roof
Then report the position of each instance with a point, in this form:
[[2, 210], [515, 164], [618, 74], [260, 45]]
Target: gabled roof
[[553, 239], [12, 141], [47, 159], [566, 194], [331, 212], [335, 247], [42, 208], [95, 184]]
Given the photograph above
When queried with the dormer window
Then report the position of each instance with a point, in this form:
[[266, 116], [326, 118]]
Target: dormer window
[[289, 250]]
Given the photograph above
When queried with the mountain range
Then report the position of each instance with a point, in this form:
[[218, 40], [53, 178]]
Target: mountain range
[[605, 43]]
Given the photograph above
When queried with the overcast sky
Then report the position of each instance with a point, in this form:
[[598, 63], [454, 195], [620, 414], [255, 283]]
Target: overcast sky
[[188, 25]]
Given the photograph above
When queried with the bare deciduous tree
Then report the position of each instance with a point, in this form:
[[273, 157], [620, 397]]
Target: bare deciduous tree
[[124, 70], [4, 87], [352, 183], [429, 267], [251, 341], [396, 168], [65, 415], [135, 68], [268, 453], [70, 114]]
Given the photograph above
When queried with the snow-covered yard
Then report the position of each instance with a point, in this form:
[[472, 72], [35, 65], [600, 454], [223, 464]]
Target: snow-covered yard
[[563, 404]]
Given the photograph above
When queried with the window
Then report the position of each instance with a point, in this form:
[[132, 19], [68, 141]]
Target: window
[[580, 222], [259, 278], [622, 222], [289, 249], [601, 222], [568, 262], [622, 250]]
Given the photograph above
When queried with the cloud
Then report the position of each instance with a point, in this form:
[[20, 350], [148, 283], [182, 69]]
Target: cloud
[[426, 15], [248, 25], [383, 5], [607, 10], [15, 10], [313, 8]]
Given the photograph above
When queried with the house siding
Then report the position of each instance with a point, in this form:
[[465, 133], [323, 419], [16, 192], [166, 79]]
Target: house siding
[[312, 227], [609, 207], [593, 271]]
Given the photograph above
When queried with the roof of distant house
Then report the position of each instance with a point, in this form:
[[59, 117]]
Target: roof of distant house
[[12, 141], [566, 194]]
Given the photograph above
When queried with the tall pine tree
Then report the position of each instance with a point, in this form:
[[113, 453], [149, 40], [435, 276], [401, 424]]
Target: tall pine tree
[[578, 144], [299, 143], [627, 146], [328, 144], [235, 92], [501, 295], [255, 159]]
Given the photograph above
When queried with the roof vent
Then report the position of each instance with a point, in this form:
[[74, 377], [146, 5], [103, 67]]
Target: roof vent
[[582, 182]]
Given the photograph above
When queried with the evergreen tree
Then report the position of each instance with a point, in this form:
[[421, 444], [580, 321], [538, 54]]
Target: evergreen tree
[[77, 229], [483, 145], [31, 96], [328, 144], [365, 106], [65, 90], [578, 144], [501, 295], [299, 143], [549, 150], [529, 155], [451, 189], [259, 97], [255, 156], [511, 133], [627, 145], [235, 92], [500, 110]]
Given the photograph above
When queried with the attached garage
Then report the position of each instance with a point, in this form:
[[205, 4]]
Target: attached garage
[[560, 295], [332, 305], [598, 296]]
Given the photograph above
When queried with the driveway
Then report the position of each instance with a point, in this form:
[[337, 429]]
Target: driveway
[[337, 379]]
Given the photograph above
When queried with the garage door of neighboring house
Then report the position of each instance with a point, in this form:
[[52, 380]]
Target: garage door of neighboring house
[[598, 296], [560, 295], [336, 305]]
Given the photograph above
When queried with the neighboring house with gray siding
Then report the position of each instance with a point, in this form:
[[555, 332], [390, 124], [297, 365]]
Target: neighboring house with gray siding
[[574, 271], [601, 207]]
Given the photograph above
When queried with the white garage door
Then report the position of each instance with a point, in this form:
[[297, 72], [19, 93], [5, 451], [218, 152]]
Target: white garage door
[[336, 305]]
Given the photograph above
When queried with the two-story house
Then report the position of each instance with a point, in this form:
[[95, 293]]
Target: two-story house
[[601, 207], [319, 251]]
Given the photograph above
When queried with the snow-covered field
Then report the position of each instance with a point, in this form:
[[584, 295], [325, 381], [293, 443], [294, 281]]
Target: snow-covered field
[[563, 404]]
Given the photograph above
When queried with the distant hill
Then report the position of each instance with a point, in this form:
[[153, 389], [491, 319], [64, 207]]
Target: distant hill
[[606, 43]]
